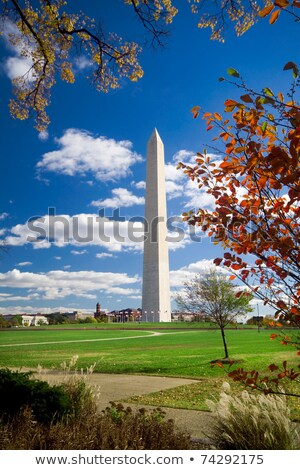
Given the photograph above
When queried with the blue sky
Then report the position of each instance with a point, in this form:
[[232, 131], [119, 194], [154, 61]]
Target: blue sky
[[93, 156]]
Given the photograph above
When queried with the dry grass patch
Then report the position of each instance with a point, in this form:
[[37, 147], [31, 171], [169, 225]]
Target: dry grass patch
[[251, 421]]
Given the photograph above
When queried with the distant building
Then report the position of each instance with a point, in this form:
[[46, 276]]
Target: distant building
[[97, 314], [29, 320], [190, 316], [125, 315], [256, 320], [72, 316], [39, 320]]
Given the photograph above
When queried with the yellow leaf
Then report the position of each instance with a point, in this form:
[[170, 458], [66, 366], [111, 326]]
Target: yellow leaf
[[218, 116], [280, 96]]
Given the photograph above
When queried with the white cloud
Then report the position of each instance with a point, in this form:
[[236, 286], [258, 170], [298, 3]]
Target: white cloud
[[17, 65], [57, 257], [81, 153], [43, 136], [173, 189], [197, 197], [29, 309], [59, 284], [24, 263], [104, 255], [183, 155], [17, 298], [172, 174], [80, 230], [4, 215], [121, 198], [140, 185], [84, 230], [78, 252], [179, 276], [179, 185], [82, 63]]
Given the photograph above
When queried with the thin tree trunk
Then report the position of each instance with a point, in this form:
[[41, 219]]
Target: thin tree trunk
[[224, 343]]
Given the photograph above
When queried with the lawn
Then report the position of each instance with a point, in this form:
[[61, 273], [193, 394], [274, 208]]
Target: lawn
[[177, 353], [184, 353], [142, 325], [194, 396]]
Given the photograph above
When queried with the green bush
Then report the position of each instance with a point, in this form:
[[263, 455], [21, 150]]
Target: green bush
[[252, 421], [18, 390]]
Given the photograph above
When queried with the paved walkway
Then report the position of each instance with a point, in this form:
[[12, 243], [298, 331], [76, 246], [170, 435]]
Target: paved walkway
[[118, 387]]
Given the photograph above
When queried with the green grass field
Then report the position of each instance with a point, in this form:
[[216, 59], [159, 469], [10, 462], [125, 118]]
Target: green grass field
[[142, 325], [171, 353], [177, 353]]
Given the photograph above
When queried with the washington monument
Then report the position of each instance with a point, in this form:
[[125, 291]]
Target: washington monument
[[156, 287]]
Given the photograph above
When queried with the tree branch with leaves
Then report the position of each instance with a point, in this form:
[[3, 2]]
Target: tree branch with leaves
[[256, 190], [48, 37]]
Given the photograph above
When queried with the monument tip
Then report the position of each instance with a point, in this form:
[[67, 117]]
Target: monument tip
[[155, 135]]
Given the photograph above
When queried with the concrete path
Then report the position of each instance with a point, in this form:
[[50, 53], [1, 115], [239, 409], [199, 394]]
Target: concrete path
[[118, 387]]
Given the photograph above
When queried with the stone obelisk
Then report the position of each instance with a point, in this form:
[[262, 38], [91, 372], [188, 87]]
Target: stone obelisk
[[156, 288]]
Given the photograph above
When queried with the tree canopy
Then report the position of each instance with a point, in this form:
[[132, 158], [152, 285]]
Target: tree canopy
[[255, 185], [214, 295], [253, 178], [50, 35]]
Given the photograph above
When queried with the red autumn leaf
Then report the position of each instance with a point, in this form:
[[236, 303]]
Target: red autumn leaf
[[218, 364], [195, 111], [273, 367], [246, 98], [266, 11], [239, 294], [281, 304], [294, 376], [274, 16], [218, 261], [231, 103], [281, 375], [281, 3], [236, 266]]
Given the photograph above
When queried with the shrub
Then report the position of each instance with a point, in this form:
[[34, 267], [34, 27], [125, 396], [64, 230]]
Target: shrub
[[34, 415], [112, 429], [250, 421], [18, 390]]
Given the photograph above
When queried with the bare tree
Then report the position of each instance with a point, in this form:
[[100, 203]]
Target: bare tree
[[214, 295]]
